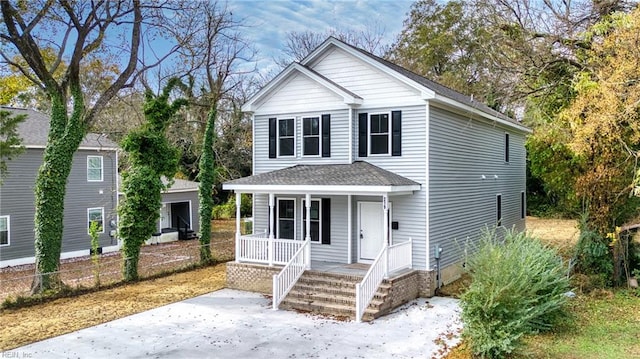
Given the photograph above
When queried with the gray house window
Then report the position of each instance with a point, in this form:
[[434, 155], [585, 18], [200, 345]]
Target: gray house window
[[95, 215], [94, 169], [506, 147], [316, 220], [379, 134], [286, 137], [5, 239], [523, 205], [311, 136], [499, 210], [286, 218]]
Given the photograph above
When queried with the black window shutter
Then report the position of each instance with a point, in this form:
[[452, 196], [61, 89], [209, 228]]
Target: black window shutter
[[272, 137], [326, 221], [362, 134], [326, 135], [396, 133]]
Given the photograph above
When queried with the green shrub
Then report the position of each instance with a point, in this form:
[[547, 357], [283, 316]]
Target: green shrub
[[518, 287], [228, 210], [592, 254]]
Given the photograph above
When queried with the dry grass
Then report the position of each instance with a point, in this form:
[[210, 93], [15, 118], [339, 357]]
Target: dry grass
[[34, 323]]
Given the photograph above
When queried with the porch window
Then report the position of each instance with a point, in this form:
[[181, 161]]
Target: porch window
[[4, 231], [286, 137], [286, 218], [311, 136], [94, 169], [315, 220], [95, 215], [379, 133]]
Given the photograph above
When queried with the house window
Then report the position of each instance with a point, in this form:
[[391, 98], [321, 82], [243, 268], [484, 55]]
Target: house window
[[4, 231], [523, 205], [95, 215], [506, 147], [286, 137], [94, 169], [316, 220], [379, 134], [311, 136], [286, 218], [499, 210]]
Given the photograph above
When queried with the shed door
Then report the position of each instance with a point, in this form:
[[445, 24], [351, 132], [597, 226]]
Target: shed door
[[370, 227]]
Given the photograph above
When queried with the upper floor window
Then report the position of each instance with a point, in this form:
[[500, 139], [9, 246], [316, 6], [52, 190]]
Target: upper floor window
[[95, 215], [506, 147], [4, 231], [286, 137], [94, 168], [311, 136], [316, 136], [379, 132]]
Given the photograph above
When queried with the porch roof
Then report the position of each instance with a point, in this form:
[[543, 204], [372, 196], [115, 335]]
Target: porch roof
[[358, 177]]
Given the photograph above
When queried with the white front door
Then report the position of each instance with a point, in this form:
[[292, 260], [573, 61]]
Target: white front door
[[370, 230]]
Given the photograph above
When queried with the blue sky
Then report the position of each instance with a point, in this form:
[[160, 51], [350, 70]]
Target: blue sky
[[269, 21]]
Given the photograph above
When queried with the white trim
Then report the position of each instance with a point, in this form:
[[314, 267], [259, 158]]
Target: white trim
[[8, 217], [182, 190], [302, 204], [425, 92], [319, 136], [426, 187], [323, 190], [117, 185], [101, 168], [255, 101], [349, 230], [89, 220], [278, 155], [277, 210], [369, 134], [351, 110], [253, 146], [81, 148]]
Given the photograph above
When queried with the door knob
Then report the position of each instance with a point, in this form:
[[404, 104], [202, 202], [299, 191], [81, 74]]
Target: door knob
[[361, 235]]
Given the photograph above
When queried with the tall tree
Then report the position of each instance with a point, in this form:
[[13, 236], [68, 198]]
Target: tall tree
[[215, 52], [10, 141], [150, 158]]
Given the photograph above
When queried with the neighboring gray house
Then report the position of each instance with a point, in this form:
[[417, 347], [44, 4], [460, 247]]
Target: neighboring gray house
[[91, 194], [363, 168]]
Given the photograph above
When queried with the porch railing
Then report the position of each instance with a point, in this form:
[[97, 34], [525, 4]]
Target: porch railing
[[288, 276], [390, 259], [257, 248]]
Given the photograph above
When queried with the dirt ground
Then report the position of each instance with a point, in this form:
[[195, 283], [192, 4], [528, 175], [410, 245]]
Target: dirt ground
[[27, 325]]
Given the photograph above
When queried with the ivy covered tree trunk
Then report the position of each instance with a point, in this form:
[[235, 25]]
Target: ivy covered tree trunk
[[65, 136], [207, 178], [151, 157]]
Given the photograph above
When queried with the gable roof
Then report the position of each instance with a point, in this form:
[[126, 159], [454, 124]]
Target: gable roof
[[331, 178], [34, 131], [430, 90], [347, 96]]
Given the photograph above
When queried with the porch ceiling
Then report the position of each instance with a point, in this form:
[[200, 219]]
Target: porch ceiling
[[358, 177]]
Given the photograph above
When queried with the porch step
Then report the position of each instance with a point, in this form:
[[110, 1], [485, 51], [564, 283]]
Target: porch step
[[333, 294]]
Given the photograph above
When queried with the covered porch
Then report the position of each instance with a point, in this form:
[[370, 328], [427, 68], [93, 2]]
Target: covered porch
[[308, 216]]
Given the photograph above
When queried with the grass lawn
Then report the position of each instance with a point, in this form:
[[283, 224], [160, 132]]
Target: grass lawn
[[606, 323]]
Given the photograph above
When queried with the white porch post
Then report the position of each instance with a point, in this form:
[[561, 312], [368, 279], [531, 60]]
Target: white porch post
[[385, 229], [307, 235], [238, 199], [349, 231], [271, 221]]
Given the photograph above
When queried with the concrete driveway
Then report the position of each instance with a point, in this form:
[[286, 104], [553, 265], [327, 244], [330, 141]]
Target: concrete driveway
[[236, 324]]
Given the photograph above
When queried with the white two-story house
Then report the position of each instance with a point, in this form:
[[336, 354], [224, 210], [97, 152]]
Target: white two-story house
[[364, 169]]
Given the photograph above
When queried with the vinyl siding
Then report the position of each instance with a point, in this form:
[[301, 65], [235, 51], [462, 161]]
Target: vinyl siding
[[408, 210], [339, 141], [462, 204], [336, 251], [375, 87], [186, 197], [300, 93], [17, 200]]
